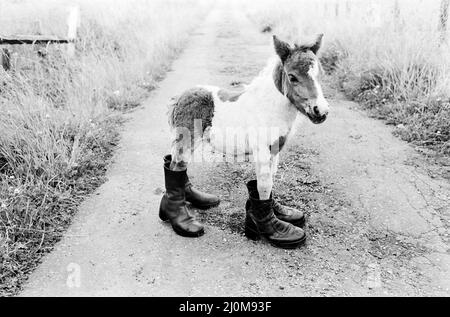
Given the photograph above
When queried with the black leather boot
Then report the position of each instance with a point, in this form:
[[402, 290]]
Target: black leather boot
[[173, 205], [197, 198], [260, 221], [288, 214]]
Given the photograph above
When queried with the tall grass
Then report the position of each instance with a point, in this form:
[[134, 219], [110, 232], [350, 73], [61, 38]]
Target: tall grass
[[59, 115], [386, 54]]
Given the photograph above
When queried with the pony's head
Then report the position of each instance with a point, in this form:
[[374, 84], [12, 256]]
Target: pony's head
[[297, 77]]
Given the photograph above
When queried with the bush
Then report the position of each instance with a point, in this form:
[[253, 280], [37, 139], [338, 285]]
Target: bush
[[332, 56]]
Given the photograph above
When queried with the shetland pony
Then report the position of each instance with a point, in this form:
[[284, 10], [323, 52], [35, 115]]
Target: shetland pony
[[262, 116]]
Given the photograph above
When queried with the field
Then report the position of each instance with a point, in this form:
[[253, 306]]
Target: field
[[60, 116], [388, 55]]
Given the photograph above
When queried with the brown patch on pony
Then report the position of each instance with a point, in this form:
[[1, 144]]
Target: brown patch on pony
[[228, 95], [301, 61], [278, 145], [195, 103], [281, 82], [282, 49]]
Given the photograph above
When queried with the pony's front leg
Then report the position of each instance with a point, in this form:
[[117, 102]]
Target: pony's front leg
[[274, 163], [261, 219], [287, 214], [264, 175]]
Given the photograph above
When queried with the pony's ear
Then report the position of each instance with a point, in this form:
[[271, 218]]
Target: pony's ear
[[317, 44], [281, 48]]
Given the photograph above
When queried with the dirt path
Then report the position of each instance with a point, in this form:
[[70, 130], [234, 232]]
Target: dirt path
[[377, 220]]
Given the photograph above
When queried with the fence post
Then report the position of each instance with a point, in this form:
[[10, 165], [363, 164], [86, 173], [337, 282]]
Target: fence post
[[348, 8], [73, 21], [443, 18], [5, 58], [396, 16], [396, 10]]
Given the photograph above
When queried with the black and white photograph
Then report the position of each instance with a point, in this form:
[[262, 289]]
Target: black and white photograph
[[224, 154]]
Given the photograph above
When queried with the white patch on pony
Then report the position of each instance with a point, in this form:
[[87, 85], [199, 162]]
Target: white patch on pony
[[320, 102], [260, 106]]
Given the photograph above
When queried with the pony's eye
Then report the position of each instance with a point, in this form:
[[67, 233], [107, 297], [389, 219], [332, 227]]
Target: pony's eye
[[293, 79]]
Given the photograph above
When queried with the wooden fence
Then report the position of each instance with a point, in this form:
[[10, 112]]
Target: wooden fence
[[72, 25]]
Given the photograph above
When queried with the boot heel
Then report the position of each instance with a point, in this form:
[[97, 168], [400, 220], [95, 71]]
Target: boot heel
[[162, 214], [251, 231]]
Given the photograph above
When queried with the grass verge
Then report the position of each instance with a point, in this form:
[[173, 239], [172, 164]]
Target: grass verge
[[60, 115]]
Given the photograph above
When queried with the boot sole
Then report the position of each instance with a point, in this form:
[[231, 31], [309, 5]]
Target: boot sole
[[179, 231], [255, 235], [188, 234]]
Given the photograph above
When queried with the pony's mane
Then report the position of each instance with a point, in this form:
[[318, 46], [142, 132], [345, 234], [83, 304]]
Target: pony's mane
[[265, 73]]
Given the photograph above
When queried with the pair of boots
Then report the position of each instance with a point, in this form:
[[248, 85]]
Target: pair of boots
[[280, 225]]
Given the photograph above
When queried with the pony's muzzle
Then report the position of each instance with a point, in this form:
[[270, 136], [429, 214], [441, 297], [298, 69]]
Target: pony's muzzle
[[318, 114], [320, 107], [317, 119]]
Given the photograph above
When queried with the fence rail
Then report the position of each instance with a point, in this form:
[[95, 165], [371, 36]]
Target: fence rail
[[35, 39]]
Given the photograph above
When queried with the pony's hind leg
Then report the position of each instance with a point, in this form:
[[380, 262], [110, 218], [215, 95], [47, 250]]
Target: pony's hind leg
[[180, 160], [173, 203], [181, 152], [178, 164], [181, 156]]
